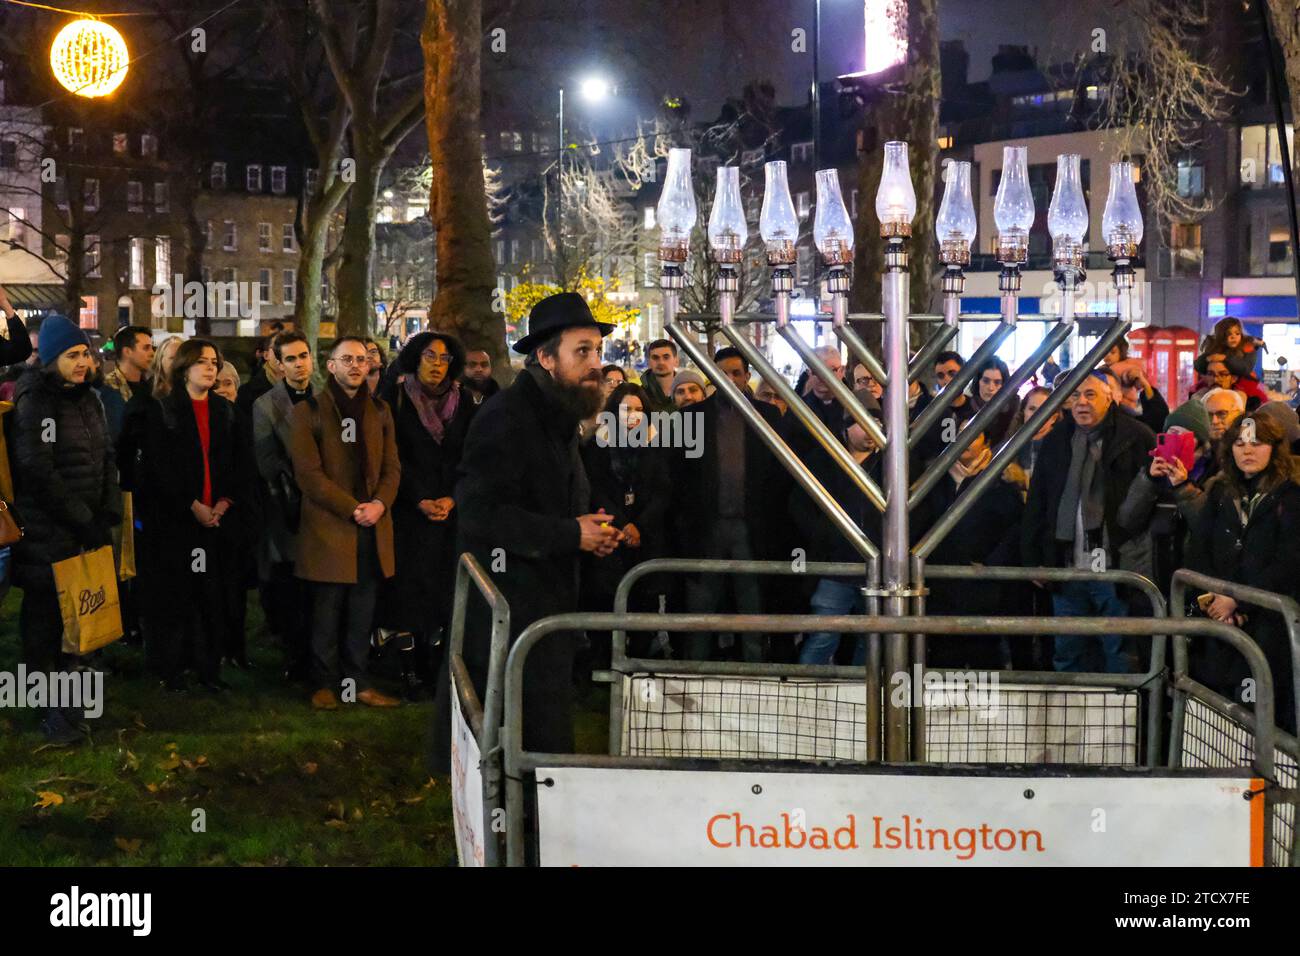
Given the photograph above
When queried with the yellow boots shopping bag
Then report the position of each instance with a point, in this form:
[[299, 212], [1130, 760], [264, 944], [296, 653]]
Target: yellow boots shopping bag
[[87, 585]]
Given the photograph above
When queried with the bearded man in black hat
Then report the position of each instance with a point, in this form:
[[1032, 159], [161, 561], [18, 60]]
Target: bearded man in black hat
[[523, 500]]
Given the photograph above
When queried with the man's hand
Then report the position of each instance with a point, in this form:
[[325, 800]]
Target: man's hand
[[1222, 608], [441, 508], [632, 535], [367, 515], [597, 536], [1175, 470]]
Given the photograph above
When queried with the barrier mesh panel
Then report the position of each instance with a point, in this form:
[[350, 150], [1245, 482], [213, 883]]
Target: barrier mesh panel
[[801, 719], [1213, 739]]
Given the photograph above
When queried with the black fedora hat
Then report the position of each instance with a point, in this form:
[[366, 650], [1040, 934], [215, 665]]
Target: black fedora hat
[[563, 310]]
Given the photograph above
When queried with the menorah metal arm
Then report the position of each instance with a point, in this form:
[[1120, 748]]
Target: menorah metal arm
[[843, 394], [833, 446], [941, 337], [858, 349], [1008, 452], [798, 470], [934, 411], [985, 416]]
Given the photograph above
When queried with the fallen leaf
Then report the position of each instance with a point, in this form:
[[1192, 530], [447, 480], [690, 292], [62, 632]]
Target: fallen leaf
[[357, 814], [47, 798], [335, 808], [309, 767], [151, 787], [171, 763], [99, 813], [127, 846], [132, 762], [200, 761], [336, 824], [170, 746], [415, 799]]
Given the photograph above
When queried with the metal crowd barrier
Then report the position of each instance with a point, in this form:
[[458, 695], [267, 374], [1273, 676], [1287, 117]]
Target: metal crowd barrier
[[484, 722], [1148, 683], [1208, 730], [518, 762]]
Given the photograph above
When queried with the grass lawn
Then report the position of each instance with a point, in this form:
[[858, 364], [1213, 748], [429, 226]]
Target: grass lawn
[[278, 783]]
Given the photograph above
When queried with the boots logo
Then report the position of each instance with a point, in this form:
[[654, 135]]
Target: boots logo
[[91, 601]]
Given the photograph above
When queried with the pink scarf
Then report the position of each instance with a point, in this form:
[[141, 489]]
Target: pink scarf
[[434, 409]]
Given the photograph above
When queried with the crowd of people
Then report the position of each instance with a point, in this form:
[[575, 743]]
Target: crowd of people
[[343, 496]]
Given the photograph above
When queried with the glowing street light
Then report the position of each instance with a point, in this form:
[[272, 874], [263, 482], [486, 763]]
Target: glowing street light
[[89, 58]]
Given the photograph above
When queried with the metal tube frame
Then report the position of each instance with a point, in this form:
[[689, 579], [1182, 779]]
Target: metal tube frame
[[842, 393]]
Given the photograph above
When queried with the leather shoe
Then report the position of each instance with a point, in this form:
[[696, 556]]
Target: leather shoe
[[373, 698], [324, 699]]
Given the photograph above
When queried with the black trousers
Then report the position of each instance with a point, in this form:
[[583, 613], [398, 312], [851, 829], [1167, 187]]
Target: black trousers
[[287, 601], [344, 616], [40, 622]]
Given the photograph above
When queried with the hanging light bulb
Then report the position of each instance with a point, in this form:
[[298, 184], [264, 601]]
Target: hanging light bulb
[[1067, 216], [832, 228], [727, 229], [895, 197], [1121, 223], [1013, 209], [777, 223], [955, 225], [676, 210]]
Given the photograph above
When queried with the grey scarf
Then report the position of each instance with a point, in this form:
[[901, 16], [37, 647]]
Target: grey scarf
[[1084, 492]]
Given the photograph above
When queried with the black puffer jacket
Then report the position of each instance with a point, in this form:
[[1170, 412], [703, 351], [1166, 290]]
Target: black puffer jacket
[[66, 492]]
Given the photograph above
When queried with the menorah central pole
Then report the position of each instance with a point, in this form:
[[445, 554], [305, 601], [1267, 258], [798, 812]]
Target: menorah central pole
[[896, 564]]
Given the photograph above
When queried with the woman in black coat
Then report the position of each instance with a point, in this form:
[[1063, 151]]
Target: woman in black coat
[[195, 479], [65, 492], [432, 415], [629, 480], [1246, 529]]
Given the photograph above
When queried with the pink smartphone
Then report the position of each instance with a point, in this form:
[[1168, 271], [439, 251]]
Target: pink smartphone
[[1180, 445]]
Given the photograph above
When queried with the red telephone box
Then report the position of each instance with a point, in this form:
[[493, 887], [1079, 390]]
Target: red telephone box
[[1168, 352]]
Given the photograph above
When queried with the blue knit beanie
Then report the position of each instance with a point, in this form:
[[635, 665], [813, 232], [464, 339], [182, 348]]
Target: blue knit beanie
[[57, 334]]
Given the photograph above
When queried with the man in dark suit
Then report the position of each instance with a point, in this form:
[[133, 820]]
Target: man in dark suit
[[728, 499], [523, 500]]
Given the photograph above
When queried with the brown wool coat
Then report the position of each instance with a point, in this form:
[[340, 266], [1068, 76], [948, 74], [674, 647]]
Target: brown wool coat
[[323, 469]]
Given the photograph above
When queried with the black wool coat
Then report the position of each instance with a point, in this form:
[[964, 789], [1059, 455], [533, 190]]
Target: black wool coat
[[424, 550], [1125, 443], [695, 485], [1262, 553], [169, 473], [648, 484], [519, 476], [66, 491]]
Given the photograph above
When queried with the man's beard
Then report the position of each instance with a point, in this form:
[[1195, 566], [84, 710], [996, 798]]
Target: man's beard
[[578, 399]]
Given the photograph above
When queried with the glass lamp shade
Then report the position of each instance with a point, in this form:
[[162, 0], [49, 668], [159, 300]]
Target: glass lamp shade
[[777, 223], [1013, 209], [1121, 223], [832, 228], [1067, 216], [727, 229], [895, 197], [955, 225], [676, 211]]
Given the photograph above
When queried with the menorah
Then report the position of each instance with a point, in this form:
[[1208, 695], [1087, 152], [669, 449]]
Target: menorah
[[895, 578]]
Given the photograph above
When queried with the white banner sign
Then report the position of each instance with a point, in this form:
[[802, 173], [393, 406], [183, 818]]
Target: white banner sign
[[598, 817], [466, 787]]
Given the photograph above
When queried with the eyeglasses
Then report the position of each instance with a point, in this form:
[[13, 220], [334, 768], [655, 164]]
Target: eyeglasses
[[347, 361], [864, 381], [1219, 376], [1224, 415], [437, 358]]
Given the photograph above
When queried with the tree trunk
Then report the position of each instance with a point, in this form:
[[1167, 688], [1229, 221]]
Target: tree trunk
[[465, 304], [356, 289], [912, 116]]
